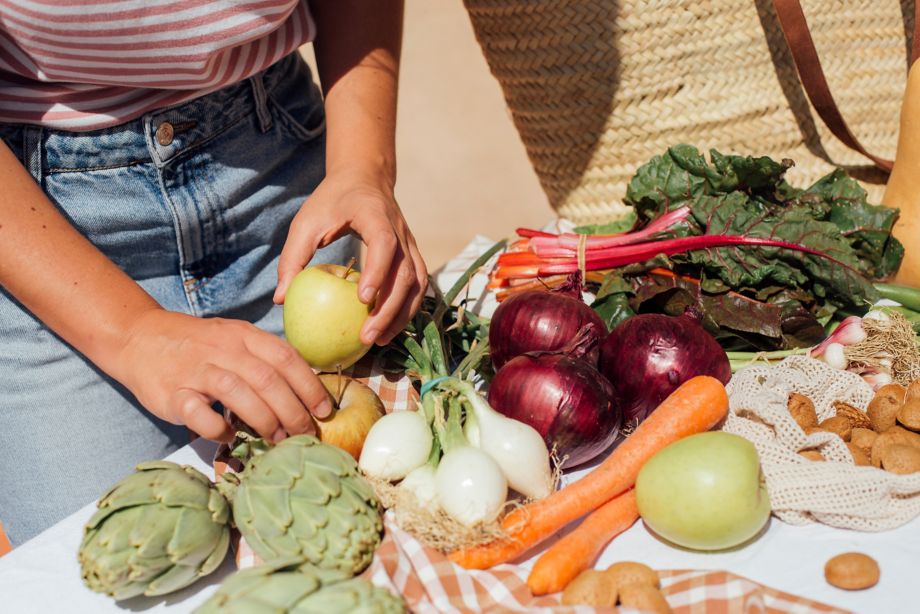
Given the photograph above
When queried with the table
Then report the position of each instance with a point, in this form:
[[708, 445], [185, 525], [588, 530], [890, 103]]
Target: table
[[43, 575]]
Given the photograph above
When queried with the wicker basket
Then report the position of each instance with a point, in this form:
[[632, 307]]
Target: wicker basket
[[597, 87]]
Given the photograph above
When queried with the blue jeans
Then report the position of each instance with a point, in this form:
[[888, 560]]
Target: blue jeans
[[194, 203]]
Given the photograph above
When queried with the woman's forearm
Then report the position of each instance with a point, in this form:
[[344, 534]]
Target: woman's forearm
[[357, 53], [60, 276]]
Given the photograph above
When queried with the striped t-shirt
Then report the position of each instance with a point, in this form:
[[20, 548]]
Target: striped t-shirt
[[88, 64]]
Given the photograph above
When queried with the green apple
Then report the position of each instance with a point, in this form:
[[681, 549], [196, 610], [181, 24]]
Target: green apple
[[704, 492], [323, 316]]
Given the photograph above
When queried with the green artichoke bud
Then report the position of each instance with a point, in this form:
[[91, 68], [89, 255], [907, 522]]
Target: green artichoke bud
[[288, 585], [305, 498], [156, 531]]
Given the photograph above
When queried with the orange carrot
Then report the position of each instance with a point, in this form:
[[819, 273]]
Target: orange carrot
[[578, 550], [696, 406]]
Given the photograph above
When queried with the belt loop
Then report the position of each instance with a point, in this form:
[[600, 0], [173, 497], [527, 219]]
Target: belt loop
[[32, 151], [262, 111]]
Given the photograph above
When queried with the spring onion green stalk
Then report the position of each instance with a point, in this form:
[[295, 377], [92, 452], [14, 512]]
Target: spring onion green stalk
[[739, 360], [904, 295]]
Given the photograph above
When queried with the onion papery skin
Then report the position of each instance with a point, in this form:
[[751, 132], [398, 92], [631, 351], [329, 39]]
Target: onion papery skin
[[649, 355], [540, 321], [565, 399]]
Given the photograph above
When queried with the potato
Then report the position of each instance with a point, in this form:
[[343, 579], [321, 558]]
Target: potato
[[857, 417], [859, 455], [900, 458], [909, 437], [909, 415], [643, 597], [627, 572], [852, 571], [863, 438], [881, 442], [838, 425], [812, 455], [590, 587], [913, 391], [894, 435], [883, 408], [802, 410]]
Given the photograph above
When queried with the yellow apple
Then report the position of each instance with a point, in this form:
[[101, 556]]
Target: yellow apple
[[704, 492], [323, 316], [356, 409]]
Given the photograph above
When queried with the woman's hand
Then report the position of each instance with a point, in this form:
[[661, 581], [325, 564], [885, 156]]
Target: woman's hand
[[178, 365], [394, 275]]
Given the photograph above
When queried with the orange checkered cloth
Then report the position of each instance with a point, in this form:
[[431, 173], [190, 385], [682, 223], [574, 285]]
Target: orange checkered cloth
[[430, 583]]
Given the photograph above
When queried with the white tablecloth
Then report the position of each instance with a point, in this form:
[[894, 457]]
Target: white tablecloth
[[43, 575]]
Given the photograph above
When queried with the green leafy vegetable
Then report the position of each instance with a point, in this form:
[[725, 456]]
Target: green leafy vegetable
[[762, 296], [621, 224]]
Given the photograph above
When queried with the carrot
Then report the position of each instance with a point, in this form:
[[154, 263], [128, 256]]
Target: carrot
[[578, 550], [696, 406]]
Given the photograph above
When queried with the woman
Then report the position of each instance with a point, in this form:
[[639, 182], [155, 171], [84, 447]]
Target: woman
[[166, 161]]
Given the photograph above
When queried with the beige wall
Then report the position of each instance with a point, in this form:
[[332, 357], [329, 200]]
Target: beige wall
[[462, 167]]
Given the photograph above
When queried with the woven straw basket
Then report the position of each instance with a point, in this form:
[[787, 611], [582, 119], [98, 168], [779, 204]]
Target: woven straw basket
[[597, 87]]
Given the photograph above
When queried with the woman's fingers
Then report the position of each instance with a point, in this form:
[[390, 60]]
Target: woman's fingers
[[194, 411], [299, 247], [421, 274], [414, 296], [274, 391], [233, 391], [296, 373], [398, 323], [391, 299], [382, 248]]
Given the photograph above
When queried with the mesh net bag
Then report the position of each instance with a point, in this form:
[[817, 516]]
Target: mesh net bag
[[837, 492]]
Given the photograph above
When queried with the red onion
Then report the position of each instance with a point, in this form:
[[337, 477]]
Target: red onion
[[541, 321], [564, 398], [648, 356]]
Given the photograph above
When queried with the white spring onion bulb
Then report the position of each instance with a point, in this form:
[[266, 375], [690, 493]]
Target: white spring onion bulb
[[877, 314], [877, 380], [396, 444], [470, 486], [834, 356], [422, 483], [516, 447]]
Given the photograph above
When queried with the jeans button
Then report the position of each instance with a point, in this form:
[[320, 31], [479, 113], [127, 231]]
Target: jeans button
[[165, 134]]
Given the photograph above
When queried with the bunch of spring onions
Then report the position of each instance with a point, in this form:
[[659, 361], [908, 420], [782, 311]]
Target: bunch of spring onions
[[881, 346], [455, 454]]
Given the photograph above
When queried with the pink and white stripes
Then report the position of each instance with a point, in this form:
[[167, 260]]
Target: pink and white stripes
[[88, 64]]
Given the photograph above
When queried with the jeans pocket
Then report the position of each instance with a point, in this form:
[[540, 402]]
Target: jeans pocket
[[302, 117]]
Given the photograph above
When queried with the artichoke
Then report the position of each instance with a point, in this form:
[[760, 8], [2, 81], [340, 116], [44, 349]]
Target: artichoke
[[288, 585], [156, 531], [304, 498]]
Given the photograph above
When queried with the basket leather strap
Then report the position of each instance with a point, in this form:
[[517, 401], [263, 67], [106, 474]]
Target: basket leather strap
[[795, 30]]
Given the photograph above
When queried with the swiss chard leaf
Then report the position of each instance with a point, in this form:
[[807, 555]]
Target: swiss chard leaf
[[737, 321], [835, 275], [866, 227], [612, 302], [619, 225], [747, 196]]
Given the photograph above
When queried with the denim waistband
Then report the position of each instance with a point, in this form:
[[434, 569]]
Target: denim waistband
[[158, 136]]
